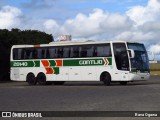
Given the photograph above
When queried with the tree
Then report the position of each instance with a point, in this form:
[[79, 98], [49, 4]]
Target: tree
[[17, 37]]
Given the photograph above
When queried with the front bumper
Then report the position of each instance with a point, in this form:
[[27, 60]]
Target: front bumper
[[139, 76]]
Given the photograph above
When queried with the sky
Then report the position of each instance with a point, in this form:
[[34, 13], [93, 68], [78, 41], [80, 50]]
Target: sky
[[130, 20]]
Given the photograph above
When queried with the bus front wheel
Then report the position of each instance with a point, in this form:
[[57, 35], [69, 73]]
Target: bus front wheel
[[31, 79], [106, 78]]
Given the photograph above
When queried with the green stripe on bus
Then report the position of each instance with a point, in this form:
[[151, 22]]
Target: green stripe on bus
[[56, 70], [25, 63], [52, 62], [87, 62], [66, 62]]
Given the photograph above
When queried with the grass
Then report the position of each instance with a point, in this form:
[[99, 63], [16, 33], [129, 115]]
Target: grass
[[155, 72], [155, 68]]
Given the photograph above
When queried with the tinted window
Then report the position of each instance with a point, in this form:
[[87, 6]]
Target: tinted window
[[52, 52], [75, 51], [121, 56], [41, 53], [30, 53], [18, 53], [59, 52], [63, 52], [136, 46], [102, 50], [15, 53], [87, 51], [47, 54], [66, 52]]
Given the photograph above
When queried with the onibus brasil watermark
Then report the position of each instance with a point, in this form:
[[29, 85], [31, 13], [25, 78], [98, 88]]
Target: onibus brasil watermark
[[21, 114]]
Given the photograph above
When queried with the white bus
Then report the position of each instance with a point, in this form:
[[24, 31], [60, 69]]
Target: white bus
[[58, 62]]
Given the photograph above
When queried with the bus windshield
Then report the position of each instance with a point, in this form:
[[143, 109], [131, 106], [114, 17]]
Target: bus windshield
[[140, 62]]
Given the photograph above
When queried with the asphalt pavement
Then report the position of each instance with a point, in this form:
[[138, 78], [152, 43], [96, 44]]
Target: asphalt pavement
[[81, 96]]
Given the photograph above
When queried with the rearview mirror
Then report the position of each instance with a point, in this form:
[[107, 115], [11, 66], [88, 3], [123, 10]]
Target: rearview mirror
[[131, 53]]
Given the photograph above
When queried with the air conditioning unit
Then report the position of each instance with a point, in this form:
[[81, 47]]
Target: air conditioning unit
[[65, 38]]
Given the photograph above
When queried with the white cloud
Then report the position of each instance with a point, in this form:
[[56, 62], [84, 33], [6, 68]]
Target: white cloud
[[116, 22], [85, 26], [135, 36], [51, 26], [151, 26], [146, 26], [9, 17], [140, 24], [97, 23], [155, 48], [141, 14]]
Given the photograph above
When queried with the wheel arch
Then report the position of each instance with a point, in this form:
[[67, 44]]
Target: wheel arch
[[102, 74], [41, 73]]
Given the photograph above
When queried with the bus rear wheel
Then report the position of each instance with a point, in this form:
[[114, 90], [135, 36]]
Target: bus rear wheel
[[106, 78], [31, 79], [41, 78]]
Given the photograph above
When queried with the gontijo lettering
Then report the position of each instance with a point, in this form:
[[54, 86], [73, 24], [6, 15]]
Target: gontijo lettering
[[88, 62]]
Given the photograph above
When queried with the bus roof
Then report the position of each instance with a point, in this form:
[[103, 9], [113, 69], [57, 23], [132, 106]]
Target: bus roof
[[76, 42]]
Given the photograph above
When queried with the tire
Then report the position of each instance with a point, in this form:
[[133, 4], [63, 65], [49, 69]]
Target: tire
[[41, 79], [31, 79], [106, 78], [123, 82], [58, 82]]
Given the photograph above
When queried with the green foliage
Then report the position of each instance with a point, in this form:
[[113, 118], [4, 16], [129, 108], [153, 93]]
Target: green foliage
[[17, 37]]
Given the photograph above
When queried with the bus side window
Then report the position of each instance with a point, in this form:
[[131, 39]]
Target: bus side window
[[35, 53], [15, 54], [42, 53], [48, 53], [39, 53], [83, 52], [19, 54], [86, 51], [89, 50], [53, 52], [22, 53], [27, 55], [99, 51], [66, 52], [71, 52], [75, 50], [104, 50], [60, 52], [95, 51]]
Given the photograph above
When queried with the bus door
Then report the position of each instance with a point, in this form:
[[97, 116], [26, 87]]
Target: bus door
[[122, 61]]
